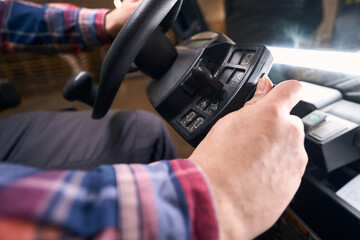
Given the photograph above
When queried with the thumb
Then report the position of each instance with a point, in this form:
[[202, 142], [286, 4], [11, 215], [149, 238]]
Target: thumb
[[285, 95], [263, 88]]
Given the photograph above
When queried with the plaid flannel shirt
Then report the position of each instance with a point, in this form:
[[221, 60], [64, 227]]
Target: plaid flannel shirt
[[50, 28], [163, 200]]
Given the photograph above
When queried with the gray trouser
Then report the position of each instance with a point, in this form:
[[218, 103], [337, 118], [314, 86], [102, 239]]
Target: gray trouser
[[72, 140]]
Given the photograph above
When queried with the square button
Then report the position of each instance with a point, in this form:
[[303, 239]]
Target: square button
[[226, 75], [188, 118], [313, 119], [236, 78], [235, 58], [326, 130], [246, 60], [214, 106], [203, 103], [196, 124]]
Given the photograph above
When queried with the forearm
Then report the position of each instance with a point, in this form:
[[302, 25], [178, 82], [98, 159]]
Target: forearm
[[168, 199], [50, 28]]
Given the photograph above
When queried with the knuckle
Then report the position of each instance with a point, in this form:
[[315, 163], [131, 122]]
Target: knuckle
[[297, 127], [273, 112], [297, 131], [249, 103]]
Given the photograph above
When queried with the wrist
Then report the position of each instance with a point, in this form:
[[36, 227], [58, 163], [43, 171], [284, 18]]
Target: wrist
[[232, 220], [112, 25], [117, 18]]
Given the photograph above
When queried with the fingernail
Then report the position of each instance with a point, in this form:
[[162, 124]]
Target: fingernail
[[261, 86]]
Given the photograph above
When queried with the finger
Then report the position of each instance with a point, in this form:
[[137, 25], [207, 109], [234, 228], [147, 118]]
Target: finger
[[262, 89], [285, 95], [301, 152]]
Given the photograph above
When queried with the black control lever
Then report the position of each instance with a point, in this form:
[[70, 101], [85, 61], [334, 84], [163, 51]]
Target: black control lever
[[204, 75], [9, 97], [81, 88]]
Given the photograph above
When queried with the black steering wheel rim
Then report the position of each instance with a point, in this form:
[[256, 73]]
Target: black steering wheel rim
[[147, 17]]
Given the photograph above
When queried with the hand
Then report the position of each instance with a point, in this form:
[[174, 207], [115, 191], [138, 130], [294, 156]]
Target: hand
[[117, 18], [254, 159]]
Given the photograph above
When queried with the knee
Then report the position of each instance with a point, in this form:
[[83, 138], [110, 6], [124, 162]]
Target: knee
[[150, 123], [140, 121]]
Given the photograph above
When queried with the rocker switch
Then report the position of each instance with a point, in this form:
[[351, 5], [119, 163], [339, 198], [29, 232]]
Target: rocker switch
[[196, 124], [188, 118]]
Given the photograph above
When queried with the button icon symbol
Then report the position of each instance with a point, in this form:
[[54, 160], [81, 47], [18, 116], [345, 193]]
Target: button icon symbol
[[214, 106], [247, 59], [190, 116], [314, 117], [196, 124], [203, 103]]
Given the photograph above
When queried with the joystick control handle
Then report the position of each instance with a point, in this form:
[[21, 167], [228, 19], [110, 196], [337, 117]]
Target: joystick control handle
[[81, 88], [203, 74]]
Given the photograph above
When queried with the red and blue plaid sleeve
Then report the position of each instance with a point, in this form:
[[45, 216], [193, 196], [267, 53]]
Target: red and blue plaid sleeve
[[51, 28], [163, 200]]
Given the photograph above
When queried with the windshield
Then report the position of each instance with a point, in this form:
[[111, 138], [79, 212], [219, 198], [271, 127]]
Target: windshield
[[311, 40]]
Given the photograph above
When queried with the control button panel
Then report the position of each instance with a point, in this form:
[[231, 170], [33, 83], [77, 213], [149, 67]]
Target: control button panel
[[232, 71], [208, 80], [332, 127]]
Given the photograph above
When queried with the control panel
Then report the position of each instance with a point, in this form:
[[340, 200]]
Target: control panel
[[211, 77], [331, 125]]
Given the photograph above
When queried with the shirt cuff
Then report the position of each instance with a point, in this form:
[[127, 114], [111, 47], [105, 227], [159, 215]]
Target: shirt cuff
[[199, 199], [174, 198]]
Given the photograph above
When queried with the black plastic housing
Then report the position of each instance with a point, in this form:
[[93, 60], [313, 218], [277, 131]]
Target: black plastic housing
[[192, 105]]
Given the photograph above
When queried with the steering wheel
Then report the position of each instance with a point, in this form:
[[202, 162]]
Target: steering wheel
[[143, 22]]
